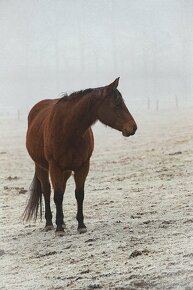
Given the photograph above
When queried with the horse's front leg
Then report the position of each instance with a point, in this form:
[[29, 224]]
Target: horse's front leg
[[80, 177]]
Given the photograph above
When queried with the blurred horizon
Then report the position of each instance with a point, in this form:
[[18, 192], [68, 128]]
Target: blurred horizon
[[49, 47]]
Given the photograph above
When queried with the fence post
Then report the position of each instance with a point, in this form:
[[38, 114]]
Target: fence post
[[18, 115], [157, 105], [176, 101], [148, 104]]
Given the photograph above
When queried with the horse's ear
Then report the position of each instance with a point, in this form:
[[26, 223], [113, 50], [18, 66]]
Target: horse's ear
[[108, 89], [116, 82]]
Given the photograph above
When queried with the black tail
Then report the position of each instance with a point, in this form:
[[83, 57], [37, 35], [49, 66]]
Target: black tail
[[34, 202]]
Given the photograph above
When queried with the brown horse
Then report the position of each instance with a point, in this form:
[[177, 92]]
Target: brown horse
[[60, 140]]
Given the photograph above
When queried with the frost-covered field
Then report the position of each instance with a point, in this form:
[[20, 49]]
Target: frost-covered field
[[138, 211]]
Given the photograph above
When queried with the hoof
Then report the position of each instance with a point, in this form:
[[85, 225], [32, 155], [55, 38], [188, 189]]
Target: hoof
[[59, 233], [49, 228], [82, 230]]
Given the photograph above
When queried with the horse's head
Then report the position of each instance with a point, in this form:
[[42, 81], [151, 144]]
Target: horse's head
[[113, 112]]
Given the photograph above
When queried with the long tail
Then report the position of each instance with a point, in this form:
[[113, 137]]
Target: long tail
[[34, 202]]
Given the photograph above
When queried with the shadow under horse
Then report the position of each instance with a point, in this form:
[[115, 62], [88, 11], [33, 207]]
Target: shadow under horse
[[60, 140]]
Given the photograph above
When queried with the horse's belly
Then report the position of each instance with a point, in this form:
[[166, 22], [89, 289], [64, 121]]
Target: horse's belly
[[72, 161]]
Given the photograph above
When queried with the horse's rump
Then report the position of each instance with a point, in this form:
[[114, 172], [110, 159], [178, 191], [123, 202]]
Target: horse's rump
[[37, 120]]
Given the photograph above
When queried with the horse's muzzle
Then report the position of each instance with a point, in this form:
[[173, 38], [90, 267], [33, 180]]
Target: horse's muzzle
[[129, 132]]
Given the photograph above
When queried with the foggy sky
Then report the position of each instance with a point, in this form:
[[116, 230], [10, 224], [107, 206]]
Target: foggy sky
[[48, 47]]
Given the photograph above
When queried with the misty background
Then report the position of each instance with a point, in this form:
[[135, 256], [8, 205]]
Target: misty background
[[48, 47]]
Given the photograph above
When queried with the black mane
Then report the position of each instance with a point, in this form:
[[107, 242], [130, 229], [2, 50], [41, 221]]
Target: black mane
[[74, 95]]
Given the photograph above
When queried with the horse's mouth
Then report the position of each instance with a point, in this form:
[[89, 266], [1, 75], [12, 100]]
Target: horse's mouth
[[125, 133]]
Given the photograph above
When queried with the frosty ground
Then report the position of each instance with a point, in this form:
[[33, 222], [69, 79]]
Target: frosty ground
[[138, 211]]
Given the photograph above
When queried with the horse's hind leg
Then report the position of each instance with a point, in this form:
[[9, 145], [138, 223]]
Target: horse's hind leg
[[46, 190], [80, 177], [59, 179]]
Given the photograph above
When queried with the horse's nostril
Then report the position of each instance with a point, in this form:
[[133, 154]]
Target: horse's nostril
[[134, 129]]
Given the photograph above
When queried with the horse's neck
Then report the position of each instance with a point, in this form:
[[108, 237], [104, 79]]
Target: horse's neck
[[84, 114], [78, 116]]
